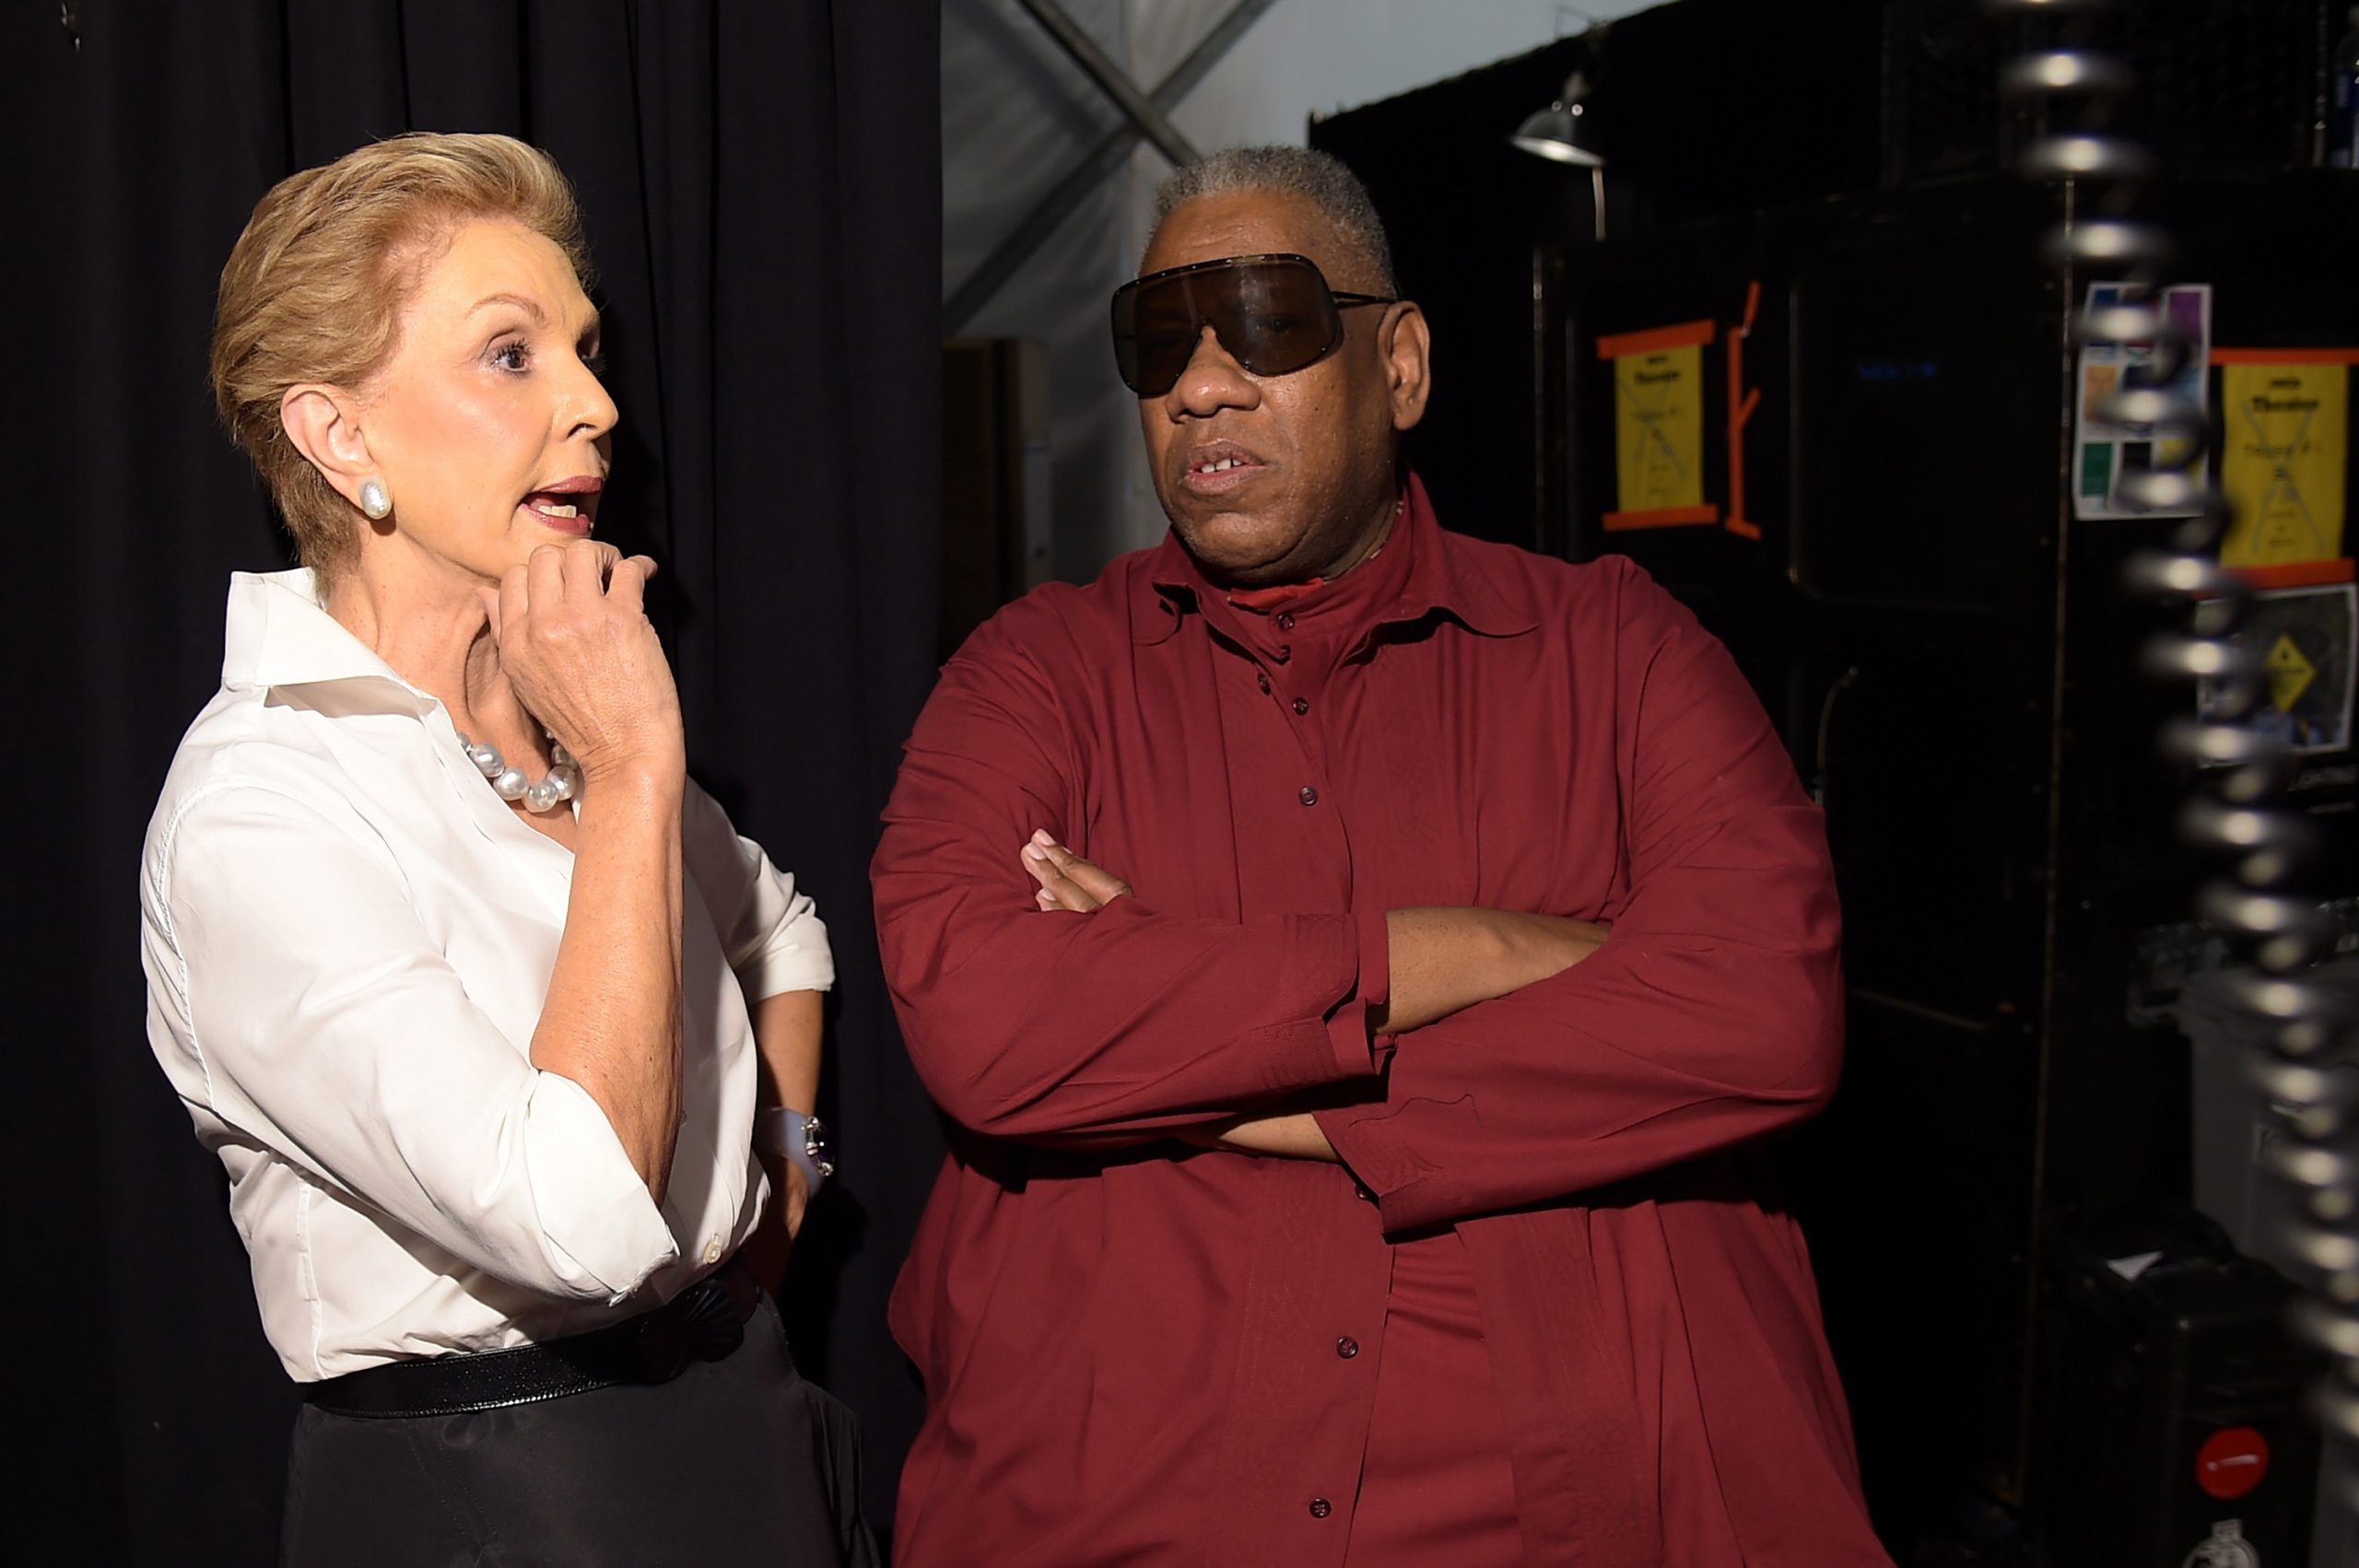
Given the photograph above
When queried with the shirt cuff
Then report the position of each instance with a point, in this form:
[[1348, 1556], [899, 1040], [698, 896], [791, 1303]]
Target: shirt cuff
[[795, 958], [1348, 1027], [790, 966], [1389, 1149], [604, 1234]]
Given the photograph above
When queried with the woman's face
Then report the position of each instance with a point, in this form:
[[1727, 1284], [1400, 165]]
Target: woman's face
[[488, 425]]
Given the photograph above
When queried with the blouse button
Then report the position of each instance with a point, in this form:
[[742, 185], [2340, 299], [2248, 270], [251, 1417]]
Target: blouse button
[[1320, 1507], [1301, 706], [1308, 797], [713, 1250], [1286, 621], [1347, 1347]]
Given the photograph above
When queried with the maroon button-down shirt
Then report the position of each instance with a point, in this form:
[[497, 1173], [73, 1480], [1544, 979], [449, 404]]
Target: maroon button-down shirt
[[1129, 1344]]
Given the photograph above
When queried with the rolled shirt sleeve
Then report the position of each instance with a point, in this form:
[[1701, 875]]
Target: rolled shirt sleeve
[[300, 999], [770, 931]]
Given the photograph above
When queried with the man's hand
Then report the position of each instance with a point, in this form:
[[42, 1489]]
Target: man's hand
[[1068, 882]]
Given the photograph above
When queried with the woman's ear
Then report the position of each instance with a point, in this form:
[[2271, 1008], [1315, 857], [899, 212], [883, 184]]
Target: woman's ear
[[323, 423]]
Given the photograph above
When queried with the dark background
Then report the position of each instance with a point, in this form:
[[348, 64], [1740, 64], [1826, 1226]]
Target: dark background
[[762, 187]]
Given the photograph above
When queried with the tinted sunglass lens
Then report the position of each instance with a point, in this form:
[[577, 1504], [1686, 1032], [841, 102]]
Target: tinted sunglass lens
[[1156, 329], [1274, 317], [1284, 319]]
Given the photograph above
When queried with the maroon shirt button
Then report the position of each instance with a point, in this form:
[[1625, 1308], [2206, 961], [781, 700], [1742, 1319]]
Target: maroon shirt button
[[1320, 1507], [1265, 684], [1286, 621], [1309, 797], [1301, 705], [1347, 1347]]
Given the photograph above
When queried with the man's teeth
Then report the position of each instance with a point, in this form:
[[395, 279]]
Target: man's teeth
[[1220, 466]]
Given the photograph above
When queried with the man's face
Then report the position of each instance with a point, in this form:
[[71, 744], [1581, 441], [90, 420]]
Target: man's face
[[1304, 484]]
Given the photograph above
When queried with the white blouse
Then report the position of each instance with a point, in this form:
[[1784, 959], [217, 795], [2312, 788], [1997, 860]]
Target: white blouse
[[349, 939]]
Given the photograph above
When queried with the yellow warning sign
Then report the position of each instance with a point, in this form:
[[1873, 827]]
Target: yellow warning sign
[[2290, 674], [1658, 428], [2281, 462]]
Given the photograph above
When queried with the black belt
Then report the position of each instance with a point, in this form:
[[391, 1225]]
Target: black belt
[[706, 1321]]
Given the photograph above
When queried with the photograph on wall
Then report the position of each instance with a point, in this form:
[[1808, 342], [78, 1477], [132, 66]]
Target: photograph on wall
[[2305, 638], [2104, 450]]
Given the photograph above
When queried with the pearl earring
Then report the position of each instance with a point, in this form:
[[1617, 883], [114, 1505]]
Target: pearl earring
[[374, 500]]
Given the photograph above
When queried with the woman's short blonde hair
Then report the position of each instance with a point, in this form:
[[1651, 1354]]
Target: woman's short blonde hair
[[315, 288]]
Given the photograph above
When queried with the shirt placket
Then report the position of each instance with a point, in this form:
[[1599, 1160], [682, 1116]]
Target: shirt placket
[[1313, 1322], [1294, 678]]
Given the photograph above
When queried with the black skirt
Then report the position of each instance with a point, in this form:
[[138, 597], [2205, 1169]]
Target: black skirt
[[736, 1461]]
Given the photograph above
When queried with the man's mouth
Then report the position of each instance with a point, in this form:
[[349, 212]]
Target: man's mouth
[[1218, 467]]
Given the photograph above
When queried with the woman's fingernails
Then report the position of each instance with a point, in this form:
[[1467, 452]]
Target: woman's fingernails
[[1034, 852], [1041, 836]]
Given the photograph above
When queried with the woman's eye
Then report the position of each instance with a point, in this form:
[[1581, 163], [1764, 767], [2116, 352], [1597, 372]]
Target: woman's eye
[[510, 357], [595, 363]]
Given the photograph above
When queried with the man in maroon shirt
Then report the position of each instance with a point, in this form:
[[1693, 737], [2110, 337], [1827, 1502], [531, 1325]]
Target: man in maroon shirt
[[1357, 1168]]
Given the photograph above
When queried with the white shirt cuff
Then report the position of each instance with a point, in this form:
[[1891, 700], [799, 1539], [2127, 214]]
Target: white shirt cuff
[[604, 1231]]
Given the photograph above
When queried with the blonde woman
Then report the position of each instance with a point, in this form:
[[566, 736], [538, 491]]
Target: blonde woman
[[505, 1037]]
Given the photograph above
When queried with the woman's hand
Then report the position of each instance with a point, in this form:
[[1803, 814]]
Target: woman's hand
[[769, 1245], [576, 645], [1068, 882]]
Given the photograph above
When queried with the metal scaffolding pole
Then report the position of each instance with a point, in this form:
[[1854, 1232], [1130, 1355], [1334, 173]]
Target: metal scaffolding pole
[[977, 289]]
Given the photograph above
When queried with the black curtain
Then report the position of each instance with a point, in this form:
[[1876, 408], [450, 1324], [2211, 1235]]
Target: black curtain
[[762, 184]]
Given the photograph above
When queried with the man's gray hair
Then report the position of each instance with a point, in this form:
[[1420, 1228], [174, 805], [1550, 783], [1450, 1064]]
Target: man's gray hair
[[1318, 178]]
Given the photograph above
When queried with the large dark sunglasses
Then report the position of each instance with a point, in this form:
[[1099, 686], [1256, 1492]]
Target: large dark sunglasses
[[1273, 314]]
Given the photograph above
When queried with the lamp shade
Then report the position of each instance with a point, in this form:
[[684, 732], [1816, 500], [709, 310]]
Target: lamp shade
[[1554, 133]]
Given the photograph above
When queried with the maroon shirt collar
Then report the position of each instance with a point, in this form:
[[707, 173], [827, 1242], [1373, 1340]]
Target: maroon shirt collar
[[1174, 585]]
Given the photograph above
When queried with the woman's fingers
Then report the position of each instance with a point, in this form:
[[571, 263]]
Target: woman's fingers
[[544, 577], [576, 645], [515, 599], [586, 565], [627, 582]]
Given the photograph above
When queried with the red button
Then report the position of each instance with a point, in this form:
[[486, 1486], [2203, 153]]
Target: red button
[[2232, 1462]]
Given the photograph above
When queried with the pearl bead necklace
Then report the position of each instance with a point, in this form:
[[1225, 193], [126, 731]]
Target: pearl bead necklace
[[563, 783]]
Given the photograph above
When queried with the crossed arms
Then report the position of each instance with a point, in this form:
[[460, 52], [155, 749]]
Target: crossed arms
[[1528, 1060]]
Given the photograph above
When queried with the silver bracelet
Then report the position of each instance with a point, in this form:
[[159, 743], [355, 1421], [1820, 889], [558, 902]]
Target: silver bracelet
[[802, 1139]]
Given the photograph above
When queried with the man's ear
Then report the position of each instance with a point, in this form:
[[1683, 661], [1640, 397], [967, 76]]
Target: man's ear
[[324, 423], [1407, 347]]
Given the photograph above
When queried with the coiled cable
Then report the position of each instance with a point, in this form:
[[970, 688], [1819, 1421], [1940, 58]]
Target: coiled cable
[[2234, 813]]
